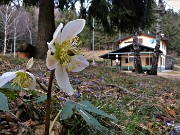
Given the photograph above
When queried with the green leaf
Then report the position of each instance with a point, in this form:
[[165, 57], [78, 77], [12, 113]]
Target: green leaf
[[9, 86], [31, 132], [91, 121], [86, 105], [67, 110], [33, 92], [69, 132], [11, 94], [41, 99], [3, 103]]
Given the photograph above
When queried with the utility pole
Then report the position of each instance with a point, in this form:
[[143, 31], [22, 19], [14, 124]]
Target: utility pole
[[160, 12], [93, 62]]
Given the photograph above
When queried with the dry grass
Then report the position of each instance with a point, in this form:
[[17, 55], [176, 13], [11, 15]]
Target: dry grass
[[89, 54]]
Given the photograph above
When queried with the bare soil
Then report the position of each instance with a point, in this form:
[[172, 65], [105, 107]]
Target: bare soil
[[95, 54], [175, 75]]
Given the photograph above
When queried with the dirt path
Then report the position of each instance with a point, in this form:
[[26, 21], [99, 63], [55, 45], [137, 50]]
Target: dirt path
[[175, 75]]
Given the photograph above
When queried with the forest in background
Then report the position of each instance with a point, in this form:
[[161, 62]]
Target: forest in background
[[20, 25]]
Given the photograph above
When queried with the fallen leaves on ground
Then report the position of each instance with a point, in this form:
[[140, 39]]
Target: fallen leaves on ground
[[142, 103]]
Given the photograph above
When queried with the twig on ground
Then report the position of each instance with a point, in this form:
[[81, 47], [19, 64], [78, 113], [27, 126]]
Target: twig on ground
[[42, 87]]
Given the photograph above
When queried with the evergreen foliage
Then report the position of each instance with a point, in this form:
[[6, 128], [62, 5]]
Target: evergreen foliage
[[125, 15], [116, 15], [170, 29], [130, 15]]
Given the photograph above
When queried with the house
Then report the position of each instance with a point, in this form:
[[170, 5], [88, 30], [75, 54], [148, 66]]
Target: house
[[123, 57]]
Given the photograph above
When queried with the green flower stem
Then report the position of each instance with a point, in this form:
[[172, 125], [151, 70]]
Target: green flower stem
[[55, 119], [48, 103]]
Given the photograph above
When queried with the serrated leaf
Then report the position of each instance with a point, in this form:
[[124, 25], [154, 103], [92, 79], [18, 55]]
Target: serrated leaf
[[3, 103], [67, 110], [41, 99], [86, 105], [91, 121], [9, 86]]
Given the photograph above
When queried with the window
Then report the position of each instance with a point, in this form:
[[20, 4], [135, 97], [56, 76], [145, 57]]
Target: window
[[126, 60], [152, 41], [148, 61]]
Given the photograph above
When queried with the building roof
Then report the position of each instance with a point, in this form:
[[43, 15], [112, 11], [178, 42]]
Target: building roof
[[149, 35], [127, 50]]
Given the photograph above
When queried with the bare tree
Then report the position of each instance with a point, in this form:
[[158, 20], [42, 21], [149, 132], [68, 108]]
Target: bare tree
[[30, 20], [29, 29], [156, 54], [16, 24], [6, 12], [17, 31]]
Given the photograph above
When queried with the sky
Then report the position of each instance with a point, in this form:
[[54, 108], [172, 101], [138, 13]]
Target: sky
[[172, 4]]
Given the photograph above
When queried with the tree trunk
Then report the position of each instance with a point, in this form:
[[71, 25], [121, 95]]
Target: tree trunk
[[137, 58], [46, 27], [15, 42], [30, 37], [158, 38], [5, 44], [5, 32]]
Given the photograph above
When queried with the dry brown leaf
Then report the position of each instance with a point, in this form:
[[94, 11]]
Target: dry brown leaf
[[40, 130], [171, 112], [150, 127], [29, 123]]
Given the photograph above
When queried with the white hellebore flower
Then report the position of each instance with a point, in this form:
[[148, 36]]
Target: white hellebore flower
[[22, 78], [63, 54]]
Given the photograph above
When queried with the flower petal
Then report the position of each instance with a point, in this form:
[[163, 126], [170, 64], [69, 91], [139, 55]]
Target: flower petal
[[6, 77], [51, 46], [72, 28], [33, 82], [51, 61], [63, 80], [56, 38], [57, 33], [30, 63], [78, 63]]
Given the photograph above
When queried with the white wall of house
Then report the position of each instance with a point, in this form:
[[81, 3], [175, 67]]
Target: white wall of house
[[150, 42], [147, 41]]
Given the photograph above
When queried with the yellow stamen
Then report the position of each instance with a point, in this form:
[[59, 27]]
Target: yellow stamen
[[22, 79], [66, 50]]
